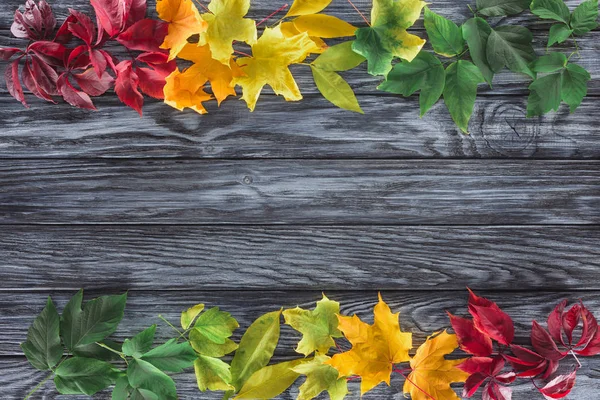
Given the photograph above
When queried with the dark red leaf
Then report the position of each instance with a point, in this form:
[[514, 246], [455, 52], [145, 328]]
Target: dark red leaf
[[476, 365], [525, 362], [473, 383], [73, 96], [560, 386], [491, 320], [63, 35], [590, 328], [506, 378], [470, 339], [78, 59], [21, 28], [493, 391], [109, 60], [45, 76], [159, 62], [52, 53], [11, 75], [37, 22], [6, 53], [89, 82], [82, 27], [570, 320], [49, 21], [137, 11], [111, 14], [544, 344], [31, 83], [126, 86], [151, 82], [98, 62], [144, 35], [555, 322]]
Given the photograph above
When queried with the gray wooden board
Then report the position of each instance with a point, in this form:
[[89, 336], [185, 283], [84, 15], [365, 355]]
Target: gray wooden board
[[300, 192], [43, 258]]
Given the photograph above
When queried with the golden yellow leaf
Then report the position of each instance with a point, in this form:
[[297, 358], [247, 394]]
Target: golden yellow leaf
[[305, 7], [375, 348], [323, 26], [289, 29], [226, 23], [183, 91], [207, 69], [431, 372], [271, 56], [184, 21]]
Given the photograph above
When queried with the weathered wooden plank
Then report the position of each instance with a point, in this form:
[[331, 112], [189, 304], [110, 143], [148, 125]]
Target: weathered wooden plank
[[499, 192], [17, 378], [43, 258], [308, 129]]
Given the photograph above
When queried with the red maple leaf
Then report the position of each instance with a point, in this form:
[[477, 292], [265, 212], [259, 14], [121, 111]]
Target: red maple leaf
[[487, 370]]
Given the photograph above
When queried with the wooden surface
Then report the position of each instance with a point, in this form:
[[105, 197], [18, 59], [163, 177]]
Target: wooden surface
[[254, 211]]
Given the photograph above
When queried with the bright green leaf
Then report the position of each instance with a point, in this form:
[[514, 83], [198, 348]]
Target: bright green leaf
[[140, 343], [476, 32], [79, 375], [340, 57], [98, 319], [585, 17], [321, 377], [558, 34], [212, 374], [204, 346], [425, 72], [189, 316], [42, 348], [171, 356], [144, 376], [510, 46], [501, 8], [121, 389], [256, 348], [445, 36], [305, 7], [335, 89], [271, 381], [544, 95], [460, 92], [549, 63], [574, 85], [216, 325], [556, 10]]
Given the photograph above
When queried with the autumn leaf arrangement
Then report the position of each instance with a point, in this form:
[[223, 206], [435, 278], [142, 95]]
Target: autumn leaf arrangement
[[77, 351], [197, 53]]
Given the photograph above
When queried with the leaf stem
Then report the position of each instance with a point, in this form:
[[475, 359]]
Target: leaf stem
[[203, 6], [575, 357], [39, 385], [359, 13], [471, 8], [576, 46], [268, 17], [170, 324], [414, 384], [113, 351]]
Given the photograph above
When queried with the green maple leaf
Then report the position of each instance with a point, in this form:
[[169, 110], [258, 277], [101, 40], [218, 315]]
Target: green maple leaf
[[42, 348], [445, 36], [558, 34], [425, 73], [387, 37], [318, 326], [585, 17], [510, 46], [321, 377]]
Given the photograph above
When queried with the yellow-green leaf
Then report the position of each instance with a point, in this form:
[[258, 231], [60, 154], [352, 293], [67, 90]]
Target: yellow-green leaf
[[271, 381], [335, 89], [321, 377], [216, 325], [340, 57], [212, 374], [324, 26], [206, 347], [188, 316], [305, 7]]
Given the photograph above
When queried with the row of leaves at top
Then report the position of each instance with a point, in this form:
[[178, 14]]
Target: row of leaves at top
[[207, 41], [377, 350]]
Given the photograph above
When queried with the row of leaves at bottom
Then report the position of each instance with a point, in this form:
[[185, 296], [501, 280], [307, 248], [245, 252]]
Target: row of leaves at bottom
[[335, 349]]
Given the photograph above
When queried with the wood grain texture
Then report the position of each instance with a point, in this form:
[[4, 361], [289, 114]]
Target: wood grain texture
[[300, 192], [42, 258], [421, 313]]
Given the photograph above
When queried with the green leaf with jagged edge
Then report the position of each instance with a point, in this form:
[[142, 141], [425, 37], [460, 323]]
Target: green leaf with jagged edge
[[256, 348], [558, 34], [501, 8], [212, 374], [425, 73], [555, 10], [171, 356], [340, 57], [98, 319], [43, 348], [146, 379], [321, 377], [122, 389], [80, 375], [511, 46], [189, 316], [585, 17], [460, 92], [140, 343], [387, 37], [476, 32], [318, 326], [204, 346], [216, 325], [335, 89], [269, 382], [565, 82], [444, 35]]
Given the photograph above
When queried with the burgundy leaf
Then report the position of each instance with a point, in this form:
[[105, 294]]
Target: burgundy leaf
[[21, 28], [83, 27], [45, 76], [126, 86], [73, 96], [159, 62], [11, 75], [570, 320], [64, 35], [52, 53], [493, 391], [544, 344], [560, 386], [470, 339], [49, 21], [37, 22], [525, 362], [476, 365], [98, 62], [137, 11], [555, 322], [589, 329], [6, 53], [78, 59], [151, 82], [473, 383], [89, 82], [491, 320], [144, 35], [111, 15], [31, 83], [109, 60]]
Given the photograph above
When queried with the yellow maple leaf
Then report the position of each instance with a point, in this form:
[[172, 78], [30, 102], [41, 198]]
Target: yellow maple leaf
[[431, 372], [207, 69], [289, 29], [184, 21], [226, 23], [272, 54], [182, 91], [375, 348]]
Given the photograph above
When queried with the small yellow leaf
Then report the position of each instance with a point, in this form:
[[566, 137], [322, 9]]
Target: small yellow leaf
[[184, 21], [335, 89], [270, 381], [305, 7], [212, 374], [324, 26], [189, 316]]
